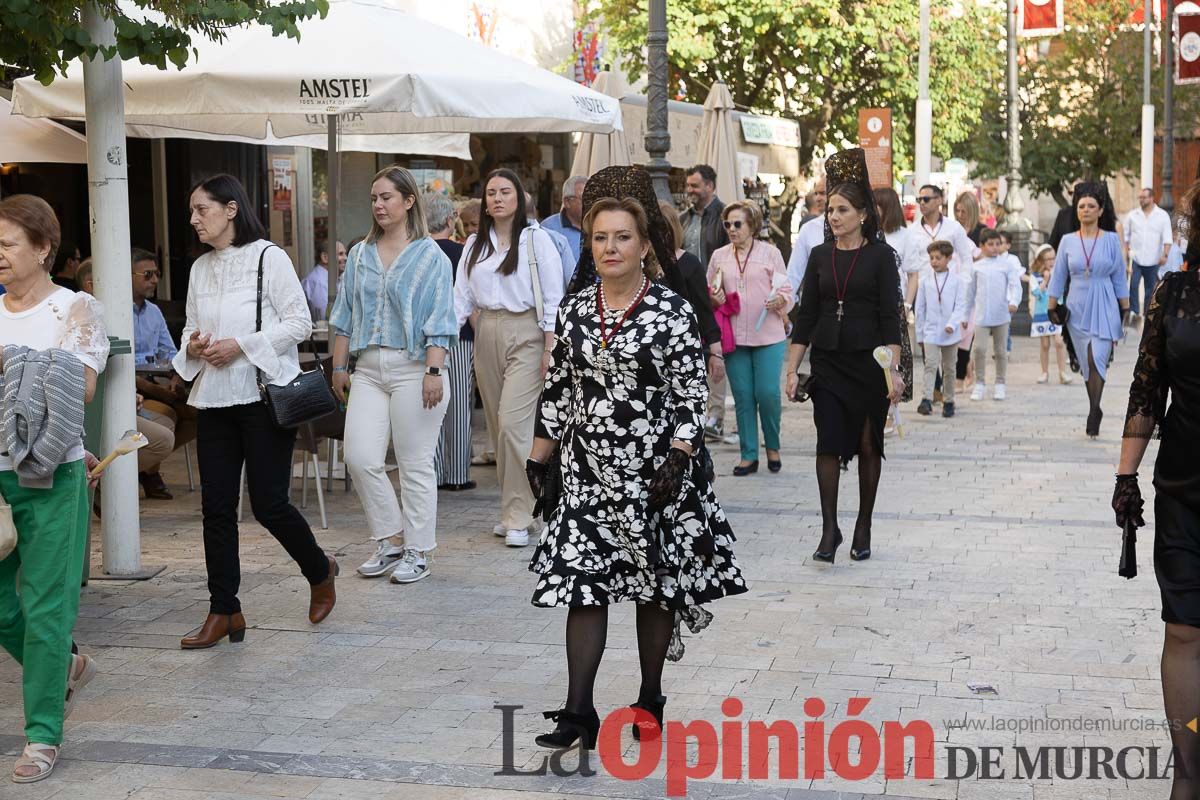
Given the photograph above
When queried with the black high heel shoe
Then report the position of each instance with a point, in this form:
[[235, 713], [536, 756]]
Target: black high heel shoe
[[652, 705], [828, 557], [1093, 423], [748, 469], [571, 727], [857, 554]]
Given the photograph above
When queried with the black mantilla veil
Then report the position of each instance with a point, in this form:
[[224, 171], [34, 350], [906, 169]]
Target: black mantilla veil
[[850, 166], [1099, 191], [621, 183]]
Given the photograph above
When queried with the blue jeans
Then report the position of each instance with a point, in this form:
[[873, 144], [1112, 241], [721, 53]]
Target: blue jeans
[[1149, 276], [753, 374]]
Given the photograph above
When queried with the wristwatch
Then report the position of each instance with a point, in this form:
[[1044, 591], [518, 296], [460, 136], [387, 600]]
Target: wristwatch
[[434, 371]]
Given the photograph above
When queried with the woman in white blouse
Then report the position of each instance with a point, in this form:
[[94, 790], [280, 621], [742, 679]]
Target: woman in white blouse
[[225, 355], [902, 240], [509, 285]]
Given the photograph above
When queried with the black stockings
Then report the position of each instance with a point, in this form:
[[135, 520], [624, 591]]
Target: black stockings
[[654, 628], [1180, 677], [870, 466], [1094, 384], [829, 470], [587, 633]]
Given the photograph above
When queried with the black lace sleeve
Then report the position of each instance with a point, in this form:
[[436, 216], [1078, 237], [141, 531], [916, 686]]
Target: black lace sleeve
[[1148, 392]]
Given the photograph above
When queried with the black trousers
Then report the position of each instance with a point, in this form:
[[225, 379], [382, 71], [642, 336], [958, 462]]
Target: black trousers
[[227, 438]]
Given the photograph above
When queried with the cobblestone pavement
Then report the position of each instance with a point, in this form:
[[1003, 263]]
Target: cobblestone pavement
[[995, 564]]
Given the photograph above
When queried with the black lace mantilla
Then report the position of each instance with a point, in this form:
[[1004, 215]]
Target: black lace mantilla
[[1177, 295]]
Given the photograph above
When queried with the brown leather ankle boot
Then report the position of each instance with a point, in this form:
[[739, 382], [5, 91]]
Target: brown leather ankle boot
[[215, 628], [324, 597]]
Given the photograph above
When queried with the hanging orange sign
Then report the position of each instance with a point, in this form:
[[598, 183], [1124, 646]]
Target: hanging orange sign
[[875, 137]]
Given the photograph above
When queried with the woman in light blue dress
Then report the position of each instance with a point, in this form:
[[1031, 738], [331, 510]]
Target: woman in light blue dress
[[1089, 273]]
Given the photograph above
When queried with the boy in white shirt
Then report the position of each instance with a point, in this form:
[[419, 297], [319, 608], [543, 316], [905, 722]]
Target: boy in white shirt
[[992, 297], [941, 311]]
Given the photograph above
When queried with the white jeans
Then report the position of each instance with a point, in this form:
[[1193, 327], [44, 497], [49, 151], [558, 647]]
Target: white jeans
[[385, 398]]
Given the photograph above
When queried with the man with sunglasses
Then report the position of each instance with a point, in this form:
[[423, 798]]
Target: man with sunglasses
[[164, 403], [931, 225]]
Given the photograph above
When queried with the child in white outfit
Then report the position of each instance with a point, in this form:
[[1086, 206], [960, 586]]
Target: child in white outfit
[[941, 310], [992, 297]]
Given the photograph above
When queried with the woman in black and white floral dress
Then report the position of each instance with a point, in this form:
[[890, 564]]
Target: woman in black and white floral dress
[[624, 399]]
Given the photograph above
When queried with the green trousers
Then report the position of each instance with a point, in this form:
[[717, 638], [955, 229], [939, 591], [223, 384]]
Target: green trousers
[[753, 375], [39, 592]]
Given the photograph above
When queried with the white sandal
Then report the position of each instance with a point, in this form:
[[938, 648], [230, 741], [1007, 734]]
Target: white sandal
[[42, 757], [75, 685]]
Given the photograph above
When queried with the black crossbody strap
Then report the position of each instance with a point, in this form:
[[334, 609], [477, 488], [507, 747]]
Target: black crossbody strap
[[258, 305]]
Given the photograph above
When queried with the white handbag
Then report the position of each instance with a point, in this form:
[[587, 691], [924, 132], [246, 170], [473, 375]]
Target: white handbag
[[8, 531]]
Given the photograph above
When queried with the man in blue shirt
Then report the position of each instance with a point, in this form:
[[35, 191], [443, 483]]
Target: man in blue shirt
[[561, 243], [163, 404], [316, 282], [569, 221]]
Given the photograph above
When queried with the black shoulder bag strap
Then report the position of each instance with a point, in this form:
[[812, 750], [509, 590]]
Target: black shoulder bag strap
[[258, 308]]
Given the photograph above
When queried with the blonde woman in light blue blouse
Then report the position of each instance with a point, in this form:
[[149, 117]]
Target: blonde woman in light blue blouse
[[395, 312]]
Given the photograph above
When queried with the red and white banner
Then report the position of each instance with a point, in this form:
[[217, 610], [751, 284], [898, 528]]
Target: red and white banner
[[1040, 17], [1187, 48]]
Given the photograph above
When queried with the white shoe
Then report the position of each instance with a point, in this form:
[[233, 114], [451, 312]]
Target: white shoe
[[731, 439], [978, 392], [516, 538], [1066, 380], [412, 567], [999, 393], [386, 555], [1045, 378], [499, 530]]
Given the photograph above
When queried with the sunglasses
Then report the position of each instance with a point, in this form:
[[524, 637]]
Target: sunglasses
[[150, 273], [926, 199], [734, 224]]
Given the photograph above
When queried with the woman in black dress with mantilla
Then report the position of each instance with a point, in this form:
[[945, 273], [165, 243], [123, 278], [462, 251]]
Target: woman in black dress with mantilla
[[849, 306], [1169, 364]]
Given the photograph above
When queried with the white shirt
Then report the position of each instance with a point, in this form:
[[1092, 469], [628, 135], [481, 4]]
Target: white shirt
[[65, 320], [992, 289], [221, 300], [941, 303], [812, 233], [947, 230], [488, 290], [1147, 235], [904, 242]]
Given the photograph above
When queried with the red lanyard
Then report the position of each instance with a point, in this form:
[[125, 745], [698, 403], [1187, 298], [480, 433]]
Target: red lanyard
[[933, 236], [742, 267], [943, 286], [1087, 255], [605, 335], [838, 287]]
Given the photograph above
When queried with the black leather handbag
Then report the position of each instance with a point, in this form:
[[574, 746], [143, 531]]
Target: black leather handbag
[[303, 399]]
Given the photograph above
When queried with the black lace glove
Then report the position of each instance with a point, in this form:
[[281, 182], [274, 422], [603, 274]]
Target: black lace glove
[[535, 473], [1127, 501], [668, 480]]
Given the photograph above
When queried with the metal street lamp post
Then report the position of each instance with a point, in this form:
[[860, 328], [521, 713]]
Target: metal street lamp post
[[658, 137], [1015, 223], [1167, 201], [1147, 100]]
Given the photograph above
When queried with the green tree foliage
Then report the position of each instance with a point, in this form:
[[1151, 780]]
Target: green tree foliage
[[820, 61], [42, 36], [1081, 103]]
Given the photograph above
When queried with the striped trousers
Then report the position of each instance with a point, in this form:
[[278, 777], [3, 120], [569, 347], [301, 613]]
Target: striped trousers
[[452, 463]]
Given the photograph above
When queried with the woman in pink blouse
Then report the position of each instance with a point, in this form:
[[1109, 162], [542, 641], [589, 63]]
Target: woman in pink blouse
[[754, 272]]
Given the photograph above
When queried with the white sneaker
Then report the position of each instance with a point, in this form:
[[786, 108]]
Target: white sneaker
[[516, 538], [385, 556], [1045, 378], [412, 567], [978, 392], [731, 439], [999, 393], [499, 530]]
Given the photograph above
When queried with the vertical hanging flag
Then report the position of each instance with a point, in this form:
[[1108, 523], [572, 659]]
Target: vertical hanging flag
[[1187, 56], [1040, 17]]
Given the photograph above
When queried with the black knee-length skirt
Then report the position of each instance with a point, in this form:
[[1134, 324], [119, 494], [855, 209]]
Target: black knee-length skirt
[[1177, 559], [848, 391]]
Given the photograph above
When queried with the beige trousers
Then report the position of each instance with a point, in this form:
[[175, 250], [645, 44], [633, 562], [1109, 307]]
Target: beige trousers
[[508, 371]]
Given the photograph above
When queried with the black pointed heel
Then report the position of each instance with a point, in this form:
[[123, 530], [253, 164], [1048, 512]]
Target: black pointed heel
[[652, 705], [1093, 423], [571, 727], [860, 555], [748, 469], [828, 557]]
